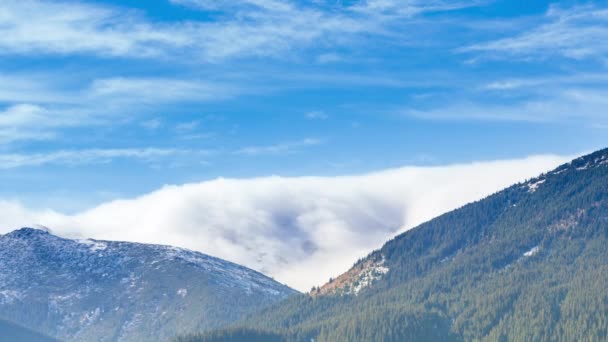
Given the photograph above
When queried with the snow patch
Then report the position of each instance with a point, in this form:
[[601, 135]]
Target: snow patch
[[531, 252], [560, 171], [57, 301], [231, 275], [601, 160], [9, 296], [94, 246], [532, 187], [90, 317], [595, 163], [369, 275]]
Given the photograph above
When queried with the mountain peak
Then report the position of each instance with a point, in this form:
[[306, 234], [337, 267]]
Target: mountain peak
[[65, 280], [525, 263], [594, 159], [29, 231]]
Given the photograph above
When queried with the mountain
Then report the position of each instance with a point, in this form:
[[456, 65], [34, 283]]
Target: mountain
[[12, 332], [90, 290], [529, 263]]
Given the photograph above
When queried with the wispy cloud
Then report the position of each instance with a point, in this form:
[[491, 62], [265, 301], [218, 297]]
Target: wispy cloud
[[246, 28], [60, 27], [573, 33], [185, 127], [327, 58], [148, 154], [77, 28], [100, 102], [31, 88], [91, 156], [156, 90], [281, 148], [272, 5], [581, 105], [152, 124], [33, 122], [398, 8], [316, 115], [272, 28], [590, 80]]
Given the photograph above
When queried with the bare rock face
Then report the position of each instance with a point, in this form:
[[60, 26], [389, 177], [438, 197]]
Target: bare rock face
[[360, 276]]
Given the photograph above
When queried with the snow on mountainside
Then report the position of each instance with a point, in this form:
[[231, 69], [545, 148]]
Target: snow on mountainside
[[588, 162], [373, 268], [115, 291], [361, 276], [528, 263]]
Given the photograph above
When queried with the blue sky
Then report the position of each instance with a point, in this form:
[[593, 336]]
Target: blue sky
[[105, 99]]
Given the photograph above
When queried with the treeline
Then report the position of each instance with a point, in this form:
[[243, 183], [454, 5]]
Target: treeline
[[525, 264], [233, 335]]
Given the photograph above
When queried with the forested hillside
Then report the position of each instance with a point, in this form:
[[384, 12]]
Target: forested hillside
[[529, 263]]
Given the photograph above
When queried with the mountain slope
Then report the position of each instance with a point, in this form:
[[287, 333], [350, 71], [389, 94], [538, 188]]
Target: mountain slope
[[89, 290], [13, 332], [529, 263]]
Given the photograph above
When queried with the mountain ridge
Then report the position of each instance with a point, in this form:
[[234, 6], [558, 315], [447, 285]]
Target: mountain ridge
[[526, 263], [120, 291], [376, 259], [10, 331]]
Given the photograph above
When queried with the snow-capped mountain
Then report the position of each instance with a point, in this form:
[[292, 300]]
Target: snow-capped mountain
[[90, 290]]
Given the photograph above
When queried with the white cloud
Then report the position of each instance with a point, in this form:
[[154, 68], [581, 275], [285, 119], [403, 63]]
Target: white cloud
[[281, 148], [299, 230], [32, 122], [184, 127], [77, 28], [327, 58], [30, 88], [100, 102], [551, 82], [66, 27], [272, 28], [246, 28], [272, 5], [148, 154], [51, 102], [152, 124], [316, 115], [399, 8], [89, 156], [20, 115], [154, 90], [582, 105], [574, 33]]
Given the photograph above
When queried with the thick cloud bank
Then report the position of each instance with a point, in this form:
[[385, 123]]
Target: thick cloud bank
[[299, 230]]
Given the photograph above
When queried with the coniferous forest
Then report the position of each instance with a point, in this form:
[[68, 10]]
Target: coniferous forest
[[529, 263], [303, 170]]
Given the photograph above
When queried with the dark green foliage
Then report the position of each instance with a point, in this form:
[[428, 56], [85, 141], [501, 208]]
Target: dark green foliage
[[233, 335], [525, 264]]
